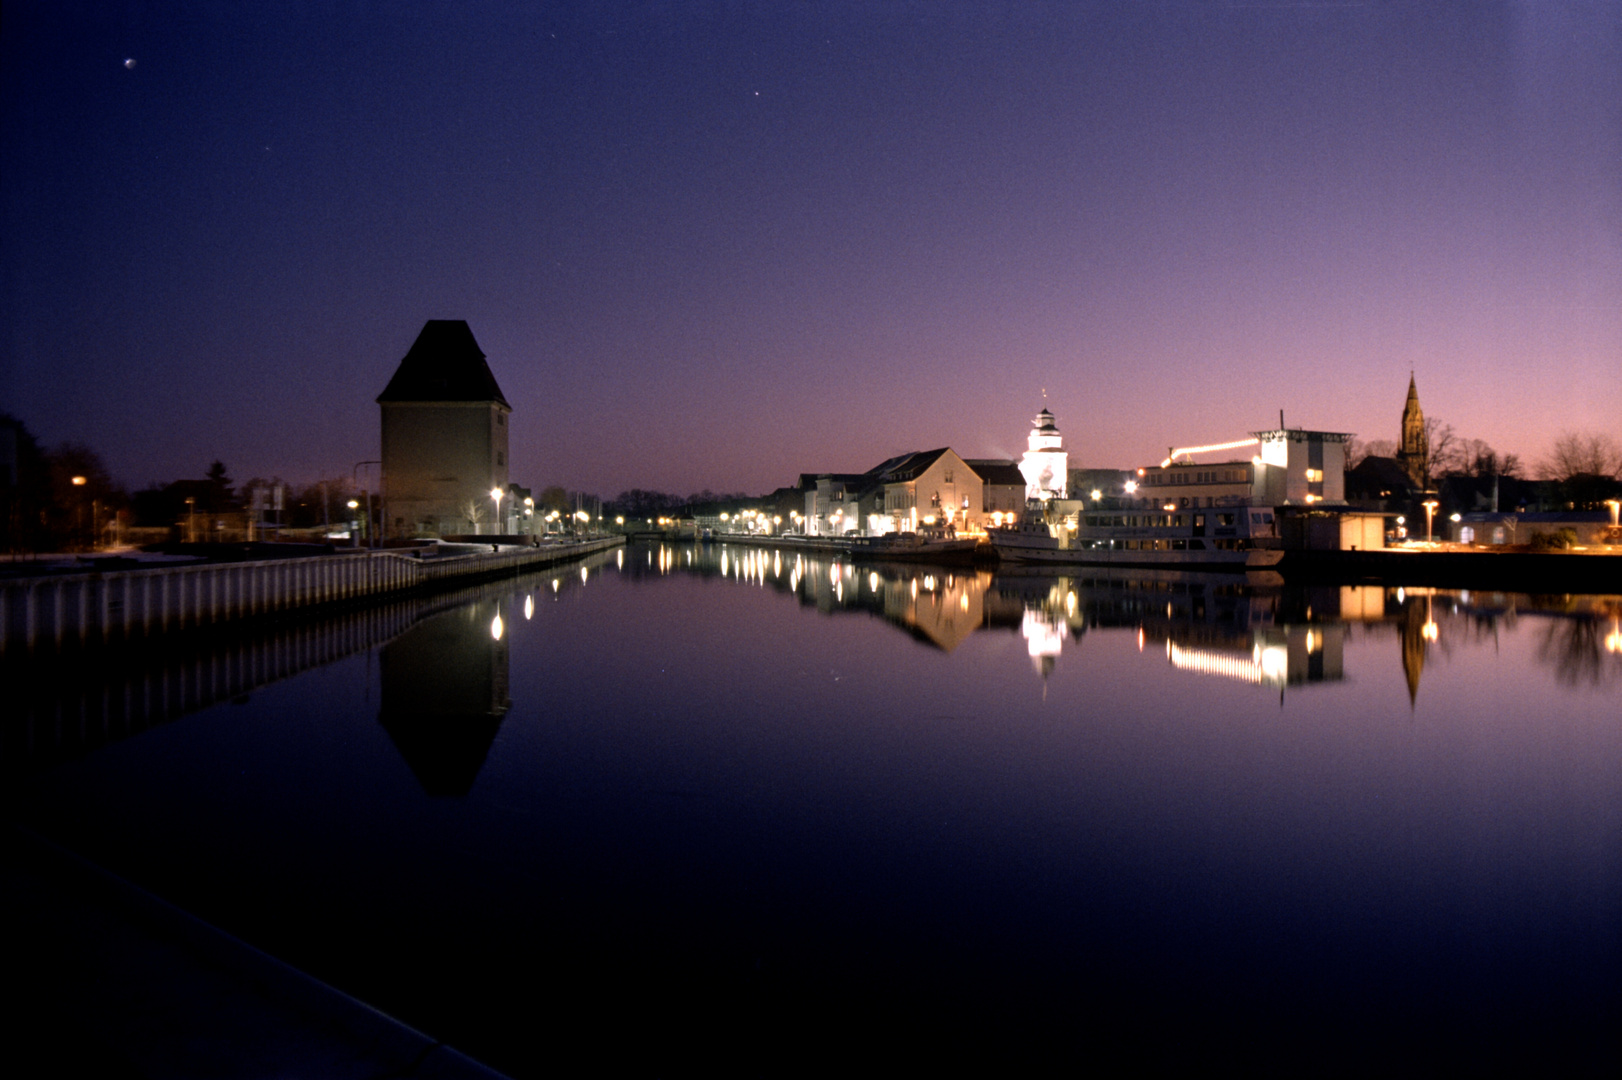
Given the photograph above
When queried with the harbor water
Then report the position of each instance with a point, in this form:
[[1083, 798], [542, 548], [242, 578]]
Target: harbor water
[[690, 808]]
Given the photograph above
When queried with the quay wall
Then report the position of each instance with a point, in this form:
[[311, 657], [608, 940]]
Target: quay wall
[[62, 706], [102, 606], [1507, 571]]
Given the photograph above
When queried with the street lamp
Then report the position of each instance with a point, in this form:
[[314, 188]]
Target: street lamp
[[354, 504], [1430, 514], [495, 497]]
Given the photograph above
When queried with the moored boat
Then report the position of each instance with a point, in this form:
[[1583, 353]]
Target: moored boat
[[1235, 538], [913, 547]]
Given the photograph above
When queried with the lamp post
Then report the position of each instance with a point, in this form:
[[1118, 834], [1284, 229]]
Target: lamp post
[[1430, 515], [354, 476], [495, 497], [354, 521]]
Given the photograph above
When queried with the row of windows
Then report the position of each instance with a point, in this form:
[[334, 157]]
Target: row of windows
[[1166, 521], [1204, 476]]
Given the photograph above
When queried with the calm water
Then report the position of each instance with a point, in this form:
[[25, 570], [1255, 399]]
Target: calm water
[[685, 809]]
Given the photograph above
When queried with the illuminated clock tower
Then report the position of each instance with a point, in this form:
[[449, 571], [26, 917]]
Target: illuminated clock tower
[[1046, 465]]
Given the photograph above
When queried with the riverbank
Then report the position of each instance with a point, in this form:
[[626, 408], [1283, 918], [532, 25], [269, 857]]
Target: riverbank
[[91, 601], [1504, 571]]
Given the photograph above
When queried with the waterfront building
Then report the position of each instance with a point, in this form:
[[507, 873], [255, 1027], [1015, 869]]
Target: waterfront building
[[1292, 467], [934, 488], [1002, 487], [444, 438], [1045, 465], [1585, 528], [1290, 494], [928, 488]]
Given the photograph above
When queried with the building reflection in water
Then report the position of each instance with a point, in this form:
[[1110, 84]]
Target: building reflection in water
[[445, 693], [1261, 632]]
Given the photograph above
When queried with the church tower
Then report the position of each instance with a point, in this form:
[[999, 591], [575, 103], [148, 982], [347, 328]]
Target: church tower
[[1412, 454], [1046, 465]]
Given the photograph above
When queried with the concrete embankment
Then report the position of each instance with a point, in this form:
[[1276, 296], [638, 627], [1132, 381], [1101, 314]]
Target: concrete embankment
[[1506, 571], [91, 604]]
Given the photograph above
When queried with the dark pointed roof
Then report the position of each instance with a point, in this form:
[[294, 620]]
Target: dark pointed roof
[[444, 364], [994, 471]]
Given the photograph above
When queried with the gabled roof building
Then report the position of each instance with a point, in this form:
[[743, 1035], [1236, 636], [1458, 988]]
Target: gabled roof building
[[444, 438]]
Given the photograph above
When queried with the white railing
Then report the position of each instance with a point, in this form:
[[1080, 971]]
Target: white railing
[[108, 605]]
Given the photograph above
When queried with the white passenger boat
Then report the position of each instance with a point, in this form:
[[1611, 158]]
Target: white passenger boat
[[1229, 537]]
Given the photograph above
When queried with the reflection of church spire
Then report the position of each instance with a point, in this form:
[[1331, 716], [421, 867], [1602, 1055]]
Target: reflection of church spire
[[1417, 628], [444, 695]]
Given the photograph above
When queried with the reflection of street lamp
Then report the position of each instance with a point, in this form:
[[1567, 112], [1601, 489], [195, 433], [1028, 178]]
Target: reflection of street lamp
[[1430, 515]]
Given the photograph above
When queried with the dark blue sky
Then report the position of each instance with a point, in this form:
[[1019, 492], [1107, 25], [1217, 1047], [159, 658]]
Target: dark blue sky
[[715, 245]]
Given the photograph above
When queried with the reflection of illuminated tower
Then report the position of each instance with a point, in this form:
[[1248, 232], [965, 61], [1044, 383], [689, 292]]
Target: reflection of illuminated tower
[[1046, 465], [444, 694], [1044, 639], [1413, 453]]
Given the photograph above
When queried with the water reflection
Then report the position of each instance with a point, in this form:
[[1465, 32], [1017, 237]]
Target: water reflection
[[1261, 632], [764, 818], [445, 691]]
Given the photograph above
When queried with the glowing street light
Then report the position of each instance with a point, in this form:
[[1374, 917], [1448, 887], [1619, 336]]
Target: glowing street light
[[1430, 514], [495, 496]]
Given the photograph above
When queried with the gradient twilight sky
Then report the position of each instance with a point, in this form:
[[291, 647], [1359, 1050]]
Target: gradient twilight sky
[[720, 244]]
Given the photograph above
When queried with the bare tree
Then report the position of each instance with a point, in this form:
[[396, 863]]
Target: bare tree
[[1582, 453], [1476, 458], [1443, 451], [1359, 451]]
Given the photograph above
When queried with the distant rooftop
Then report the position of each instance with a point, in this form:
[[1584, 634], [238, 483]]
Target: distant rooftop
[[444, 364]]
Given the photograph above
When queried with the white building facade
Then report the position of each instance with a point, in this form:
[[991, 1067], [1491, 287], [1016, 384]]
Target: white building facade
[[1046, 465]]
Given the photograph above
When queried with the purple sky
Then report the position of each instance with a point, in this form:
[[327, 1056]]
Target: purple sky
[[716, 245]]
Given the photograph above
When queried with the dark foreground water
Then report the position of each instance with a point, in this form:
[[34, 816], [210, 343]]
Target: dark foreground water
[[710, 810]]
